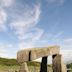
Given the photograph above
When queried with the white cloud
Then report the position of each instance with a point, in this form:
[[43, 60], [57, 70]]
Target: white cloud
[[29, 19], [23, 45], [68, 40], [24, 26], [38, 34], [3, 45], [6, 3], [29, 39], [67, 55], [3, 18], [7, 50], [33, 36], [66, 49], [67, 43], [3, 14]]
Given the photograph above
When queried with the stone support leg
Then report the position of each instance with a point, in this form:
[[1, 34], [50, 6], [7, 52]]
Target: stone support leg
[[56, 60], [24, 67]]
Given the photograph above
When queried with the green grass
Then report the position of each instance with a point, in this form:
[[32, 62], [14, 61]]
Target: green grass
[[12, 65], [8, 65], [4, 68], [69, 66]]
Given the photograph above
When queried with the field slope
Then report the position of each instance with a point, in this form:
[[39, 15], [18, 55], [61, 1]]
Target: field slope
[[11, 65]]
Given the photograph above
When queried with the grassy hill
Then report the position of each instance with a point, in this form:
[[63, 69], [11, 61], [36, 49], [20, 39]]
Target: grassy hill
[[8, 62], [10, 65], [13, 62]]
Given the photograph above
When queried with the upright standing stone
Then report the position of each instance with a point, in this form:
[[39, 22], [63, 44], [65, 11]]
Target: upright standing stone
[[57, 63], [24, 67], [44, 65], [64, 68]]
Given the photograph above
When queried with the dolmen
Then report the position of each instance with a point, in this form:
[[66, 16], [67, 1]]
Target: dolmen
[[31, 54]]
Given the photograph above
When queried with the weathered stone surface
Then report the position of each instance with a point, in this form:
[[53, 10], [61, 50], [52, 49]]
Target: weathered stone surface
[[23, 56], [37, 53], [24, 68], [58, 64], [64, 68], [34, 53]]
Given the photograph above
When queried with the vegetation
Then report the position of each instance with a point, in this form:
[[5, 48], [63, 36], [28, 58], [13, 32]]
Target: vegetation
[[11, 65], [8, 65], [69, 66], [8, 62], [13, 62]]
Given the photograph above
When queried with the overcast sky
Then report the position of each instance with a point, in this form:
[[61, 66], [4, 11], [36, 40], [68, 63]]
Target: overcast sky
[[35, 23]]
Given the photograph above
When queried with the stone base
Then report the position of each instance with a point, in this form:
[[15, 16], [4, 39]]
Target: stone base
[[24, 68]]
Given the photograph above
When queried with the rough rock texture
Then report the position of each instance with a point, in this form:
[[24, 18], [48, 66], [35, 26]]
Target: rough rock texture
[[24, 68], [35, 53], [58, 65], [64, 68]]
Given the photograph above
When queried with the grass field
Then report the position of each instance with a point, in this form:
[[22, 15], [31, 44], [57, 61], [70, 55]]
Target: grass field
[[16, 68], [4, 68], [11, 65]]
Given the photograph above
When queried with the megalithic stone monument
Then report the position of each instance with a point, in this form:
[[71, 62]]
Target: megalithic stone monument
[[35, 53]]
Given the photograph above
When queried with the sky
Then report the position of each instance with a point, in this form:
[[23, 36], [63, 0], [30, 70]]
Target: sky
[[35, 23]]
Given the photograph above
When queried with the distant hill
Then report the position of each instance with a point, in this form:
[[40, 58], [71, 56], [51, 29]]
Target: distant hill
[[8, 62]]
